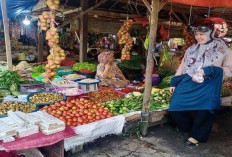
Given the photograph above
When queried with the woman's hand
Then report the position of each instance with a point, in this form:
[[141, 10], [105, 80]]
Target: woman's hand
[[172, 89]]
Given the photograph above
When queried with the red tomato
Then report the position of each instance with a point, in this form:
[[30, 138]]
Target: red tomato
[[86, 111], [100, 110], [68, 117], [57, 115], [104, 113], [90, 121], [59, 112], [53, 107], [74, 108], [77, 115], [97, 113], [70, 105], [69, 123], [90, 117], [63, 102], [108, 116], [73, 101], [74, 124], [102, 116], [98, 117], [89, 114], [80, 120], [82, 99], [74, 119], [81, 113], [84, 117]]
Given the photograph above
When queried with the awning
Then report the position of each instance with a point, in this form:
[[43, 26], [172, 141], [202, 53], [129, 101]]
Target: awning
[[205, 3], [16, 7]]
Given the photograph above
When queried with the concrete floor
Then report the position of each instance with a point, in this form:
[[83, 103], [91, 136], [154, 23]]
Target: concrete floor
[[164, 142]]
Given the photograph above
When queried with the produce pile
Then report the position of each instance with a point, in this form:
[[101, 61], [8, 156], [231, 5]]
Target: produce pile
[[160, 99], [189, 41], [122, 106], [16, 106], [125, 38], [53, 4], [89, 81], [9, 82], [45, 20], [166, 55], [127, 90], [68, 62], [70, 91], [165, 72], [45, 97], [105, 94], [134, 101], [78, 111], [165, 82], [84, 65], [226, 89], [57, 54], [73, 77], [38, 69]]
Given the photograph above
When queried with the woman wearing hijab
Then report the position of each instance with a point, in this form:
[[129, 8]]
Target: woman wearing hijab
[[197, 84], [108, 72]]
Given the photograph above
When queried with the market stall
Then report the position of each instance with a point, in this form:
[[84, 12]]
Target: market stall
[[61, 100]]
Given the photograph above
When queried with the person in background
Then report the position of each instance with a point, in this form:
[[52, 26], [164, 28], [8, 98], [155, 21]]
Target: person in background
[[108, 72], [197, 84]]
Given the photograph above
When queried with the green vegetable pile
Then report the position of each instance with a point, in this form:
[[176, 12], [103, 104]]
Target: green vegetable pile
[[165, 82], [29, 82], [133, 63], [125, 105], [165, 72], [160, 100], [39, 69], [9, 80], [134, 101], [166, 55], [84, 65], [225, 91]]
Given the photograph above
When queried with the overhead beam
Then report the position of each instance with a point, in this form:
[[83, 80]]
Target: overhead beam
[[83, 13], [177, 17], [185, 17], [147, 4], [162, 4]]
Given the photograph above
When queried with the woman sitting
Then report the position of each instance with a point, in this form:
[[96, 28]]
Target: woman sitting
[[109, 73], [198, 81]]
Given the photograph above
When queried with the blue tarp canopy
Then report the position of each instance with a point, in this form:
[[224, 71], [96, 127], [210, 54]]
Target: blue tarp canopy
[[16, 7]]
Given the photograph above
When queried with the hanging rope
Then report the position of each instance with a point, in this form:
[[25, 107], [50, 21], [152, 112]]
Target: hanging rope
[[190, 14], [170, 20], [209, 12]]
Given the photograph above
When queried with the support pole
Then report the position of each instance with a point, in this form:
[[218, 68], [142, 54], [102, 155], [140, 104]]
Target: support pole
[[83, 32], [40, 45], [150, 66], [6, 35]]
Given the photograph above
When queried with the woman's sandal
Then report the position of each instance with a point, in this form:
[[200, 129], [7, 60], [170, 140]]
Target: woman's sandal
[[189, 143]]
